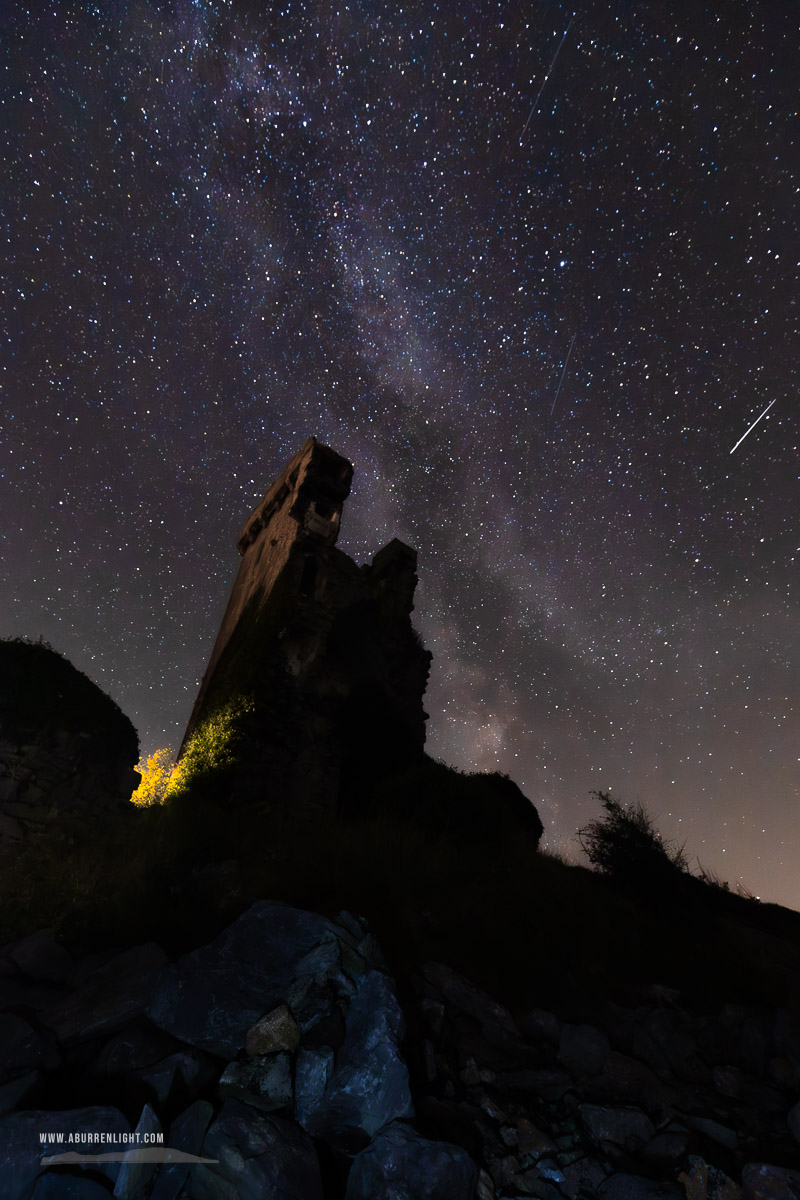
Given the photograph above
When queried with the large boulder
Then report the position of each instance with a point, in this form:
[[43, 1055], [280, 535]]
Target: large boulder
[[214, 996], [257, 1156], [399, 1164]]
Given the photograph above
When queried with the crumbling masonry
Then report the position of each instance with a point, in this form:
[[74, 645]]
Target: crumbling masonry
[[319, 651]]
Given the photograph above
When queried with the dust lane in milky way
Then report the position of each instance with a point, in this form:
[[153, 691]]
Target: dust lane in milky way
[[411, 230]]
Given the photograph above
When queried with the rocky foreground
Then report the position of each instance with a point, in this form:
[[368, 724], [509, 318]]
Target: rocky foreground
[[279, 1055]]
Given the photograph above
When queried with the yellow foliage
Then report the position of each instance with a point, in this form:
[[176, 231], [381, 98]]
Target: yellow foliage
[[155, 775]]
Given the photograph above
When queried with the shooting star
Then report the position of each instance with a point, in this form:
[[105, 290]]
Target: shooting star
[[544, 81], [752, 427], [563, 373]]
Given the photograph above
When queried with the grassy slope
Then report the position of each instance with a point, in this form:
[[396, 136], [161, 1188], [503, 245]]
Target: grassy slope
[[525, 925]]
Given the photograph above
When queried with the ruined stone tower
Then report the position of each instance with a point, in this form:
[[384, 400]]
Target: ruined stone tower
[[315, 655]]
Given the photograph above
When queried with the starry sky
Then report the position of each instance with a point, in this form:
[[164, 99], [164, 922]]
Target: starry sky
[[529, 266]]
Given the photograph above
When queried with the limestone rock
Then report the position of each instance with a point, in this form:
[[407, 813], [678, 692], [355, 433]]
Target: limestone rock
[[761, 1181], [276, 1031], [465, 996], [265, 1082], [110, 998], [22, 1048], [583, 1050], [13, 1093], [258, 1155], [398, 1164], [633, 1187], [134, 1177], [40, 957], [212, 997], [625, 1127], [21, 1151], [185, 1135], [52, 1186], [368, 1086]]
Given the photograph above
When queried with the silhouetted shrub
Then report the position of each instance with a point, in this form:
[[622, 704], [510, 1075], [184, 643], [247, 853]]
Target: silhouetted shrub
[[41, 691], [625, 844]]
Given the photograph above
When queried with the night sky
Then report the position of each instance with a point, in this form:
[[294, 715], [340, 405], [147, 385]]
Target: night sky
[[530, 267]]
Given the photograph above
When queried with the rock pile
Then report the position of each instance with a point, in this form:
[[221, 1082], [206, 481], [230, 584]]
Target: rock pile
[[276, 1061]]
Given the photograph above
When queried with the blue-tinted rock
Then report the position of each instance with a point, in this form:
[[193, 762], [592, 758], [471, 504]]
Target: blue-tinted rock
[[134, 1177], [265, 1082], [628, 1127], [185, 1134], [634, 1187], [259, 1156], [400, 1165], [369, 1086], [312, 1075], [22, 1151], [109, 999], [22, 1048], [59, 1186], [40, 957], [213, 996], [185, 1072], [762, 1181], [13, 1093], [138, 1046]]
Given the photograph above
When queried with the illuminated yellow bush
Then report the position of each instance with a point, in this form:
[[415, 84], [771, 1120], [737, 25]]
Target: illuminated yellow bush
[[155, 775], [212, 750]]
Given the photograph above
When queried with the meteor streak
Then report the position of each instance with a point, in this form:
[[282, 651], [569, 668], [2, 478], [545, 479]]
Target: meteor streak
[[752, 427], [563, 372], [544, 81]]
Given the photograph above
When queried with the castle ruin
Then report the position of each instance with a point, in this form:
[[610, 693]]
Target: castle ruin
[[318, 653]]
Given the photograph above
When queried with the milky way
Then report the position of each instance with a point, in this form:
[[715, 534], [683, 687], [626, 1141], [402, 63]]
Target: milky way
[[410, 230]]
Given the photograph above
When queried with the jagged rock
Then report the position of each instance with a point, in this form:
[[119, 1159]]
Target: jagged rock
[[633, 1187], [665, 1038], [369, 1085], [540, 1025], [22, 1048], [51, 1186], [276, 1031], [137, 1046], [761, 1181], [22, 993], [463, 995], [41, 957], [793, 1121], [109, 999], [186, 1070], [703, 1182], [584, 1175], [667, 1149], [713, 1129], [398, 1164], [265, 1082], [531, 1140], [134, 1177], [625, 1127], [583, 1050], [12, 1094], [787, 1037], [186, 1135], [625, 1079], [549, 1084], [258, 1156], [212, 997], [22, 1152]]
